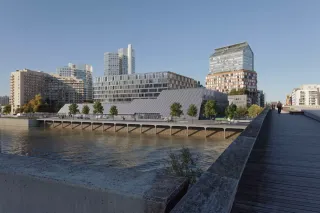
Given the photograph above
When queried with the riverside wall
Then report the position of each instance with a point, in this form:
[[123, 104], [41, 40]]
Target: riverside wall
[[18, 122]]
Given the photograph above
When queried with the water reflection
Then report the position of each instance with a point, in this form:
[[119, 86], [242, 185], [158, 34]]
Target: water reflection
[[143, 152]]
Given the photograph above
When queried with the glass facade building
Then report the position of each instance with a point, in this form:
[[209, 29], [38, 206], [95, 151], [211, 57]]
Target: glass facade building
[[231, 58], [125, 88]]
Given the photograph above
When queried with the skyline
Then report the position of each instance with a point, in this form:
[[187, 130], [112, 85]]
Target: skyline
[[167, 36]]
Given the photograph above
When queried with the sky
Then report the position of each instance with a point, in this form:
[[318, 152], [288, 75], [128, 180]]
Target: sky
[[167, 35]]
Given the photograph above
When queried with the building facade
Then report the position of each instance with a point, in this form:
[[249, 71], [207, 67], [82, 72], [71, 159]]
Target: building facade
[[306, 95], [232, 58], [120, 63], [125, 88], [232, 68], [240, 100], [261, 98], [81, 72], [26, 83], [4, 100]]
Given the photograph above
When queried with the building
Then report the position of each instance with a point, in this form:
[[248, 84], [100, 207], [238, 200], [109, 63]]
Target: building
[[306, 95], [82, 72], [288, 100], [160, 106], [26, 83], [232, 67], [240, 100], [4, 100], [125, 88], [120, 63], [261, 98]]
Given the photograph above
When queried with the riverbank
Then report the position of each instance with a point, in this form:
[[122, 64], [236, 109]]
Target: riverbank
[[18, 122]]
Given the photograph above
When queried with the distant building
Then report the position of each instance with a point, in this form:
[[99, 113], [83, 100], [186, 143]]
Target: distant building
[[25, 84], [306, 95], [81, 72], [261, 98], [288, 100], [125, 88], [120, 63], [160, 106], [240, 100], [232, 67], [4, 100]]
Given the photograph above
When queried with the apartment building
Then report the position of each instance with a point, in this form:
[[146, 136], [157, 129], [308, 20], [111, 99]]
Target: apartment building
[[81, 72], [125, 88], [26, 83], [4, 100], [306, 95]]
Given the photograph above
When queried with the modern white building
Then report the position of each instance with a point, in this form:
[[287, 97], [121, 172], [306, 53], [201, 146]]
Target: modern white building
[[81, 72], [306, 95], [120, 63], [125, 88]]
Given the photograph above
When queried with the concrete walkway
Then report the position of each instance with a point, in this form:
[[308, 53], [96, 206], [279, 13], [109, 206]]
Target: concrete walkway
[[283, 170]]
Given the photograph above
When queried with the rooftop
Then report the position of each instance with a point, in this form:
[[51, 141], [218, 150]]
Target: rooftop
[[230, 49]]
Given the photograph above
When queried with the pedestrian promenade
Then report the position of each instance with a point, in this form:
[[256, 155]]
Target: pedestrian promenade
[[283, 171]]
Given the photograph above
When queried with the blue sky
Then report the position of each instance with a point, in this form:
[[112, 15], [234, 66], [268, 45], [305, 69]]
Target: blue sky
[[170, 35]]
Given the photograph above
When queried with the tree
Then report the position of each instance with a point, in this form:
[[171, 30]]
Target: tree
[[37, 103], [254, 110], [97, 108], [241, 112], [175, 110], [241, 91], [73, 109], [231, 111], [210, 109], [27, 108], [113, 111], [7, 109], [192, 111], [85, 110]]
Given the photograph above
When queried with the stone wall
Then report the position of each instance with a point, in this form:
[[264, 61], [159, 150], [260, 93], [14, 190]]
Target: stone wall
[[18, 122], [216, 188], [34, 185]]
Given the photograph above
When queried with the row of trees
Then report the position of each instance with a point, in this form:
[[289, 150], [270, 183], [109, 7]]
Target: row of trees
[[210, 109], [233, 111], [241, 91], [97, 109]]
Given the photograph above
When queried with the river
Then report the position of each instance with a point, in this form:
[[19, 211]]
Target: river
[[142, 152]]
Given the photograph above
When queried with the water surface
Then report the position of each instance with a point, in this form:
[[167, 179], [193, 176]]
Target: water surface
[[119, 150]]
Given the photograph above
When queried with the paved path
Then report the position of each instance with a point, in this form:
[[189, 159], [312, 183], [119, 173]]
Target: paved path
[[283, 172]]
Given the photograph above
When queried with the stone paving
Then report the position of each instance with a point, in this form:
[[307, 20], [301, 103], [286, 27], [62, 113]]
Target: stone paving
[[283, 171]]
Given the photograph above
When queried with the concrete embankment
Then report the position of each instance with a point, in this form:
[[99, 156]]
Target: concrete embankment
[[216, 189], [34, 185], [18, 122]]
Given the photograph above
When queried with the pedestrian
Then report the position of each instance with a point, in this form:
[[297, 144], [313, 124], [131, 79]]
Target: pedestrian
[[279, 106]]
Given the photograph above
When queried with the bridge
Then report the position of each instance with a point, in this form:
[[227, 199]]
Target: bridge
[[274, 166]]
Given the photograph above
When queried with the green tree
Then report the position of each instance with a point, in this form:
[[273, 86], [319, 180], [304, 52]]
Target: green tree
[[85, 109], [73, 109], [97, 108], [241, 91], [175, 110], [7, 109], [192, 111], [231, 111], [210, 109], [254, 110], [113, 111], [241, 112], [27, 108], [183, 165]]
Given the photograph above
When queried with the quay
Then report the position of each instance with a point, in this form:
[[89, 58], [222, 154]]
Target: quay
[[84, 123]]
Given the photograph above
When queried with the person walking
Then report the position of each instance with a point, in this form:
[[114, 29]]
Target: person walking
[[279, 106]]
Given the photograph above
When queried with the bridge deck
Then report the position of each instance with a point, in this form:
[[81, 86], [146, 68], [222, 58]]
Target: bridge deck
[[283, 172]]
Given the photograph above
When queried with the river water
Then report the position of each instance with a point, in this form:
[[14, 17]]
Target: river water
[[142, 152]]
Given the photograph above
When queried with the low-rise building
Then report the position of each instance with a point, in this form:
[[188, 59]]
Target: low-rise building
[[160, 106], [240, 100], [125, 88]]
